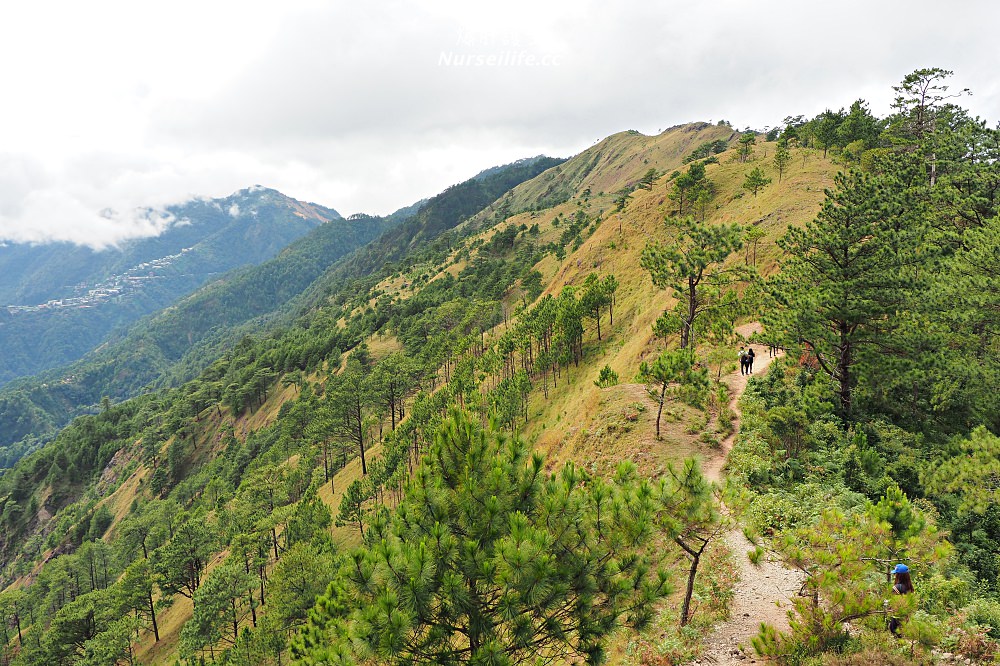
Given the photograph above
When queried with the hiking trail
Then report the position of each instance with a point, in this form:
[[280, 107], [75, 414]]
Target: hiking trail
[[763, 592]]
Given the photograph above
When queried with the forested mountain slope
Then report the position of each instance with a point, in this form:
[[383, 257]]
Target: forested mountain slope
[[32, 407], [59, 301], [177, 343], [268, 393], [255, 223], [367, 454]]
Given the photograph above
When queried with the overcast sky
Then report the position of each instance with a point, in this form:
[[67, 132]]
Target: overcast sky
[[110, 109]]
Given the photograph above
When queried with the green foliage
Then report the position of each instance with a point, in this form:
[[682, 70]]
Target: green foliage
[[691, 518], [488, 559], [707, 149], [918, 101], [597, 295], [755, 180], [221, 605], [673, 371], [647, 179], [745, 149], [621, 198], [607, 378], [690, 267], [181, 342], [924, 374], [845, 275], [826, 128], [859, 128], [300, 576], [969, 381], [782, 158], [986, 613], [179, 563], [692, 188], [352, 505], [841, 557]]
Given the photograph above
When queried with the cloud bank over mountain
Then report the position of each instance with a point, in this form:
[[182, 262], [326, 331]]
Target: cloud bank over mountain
[[118, 109]]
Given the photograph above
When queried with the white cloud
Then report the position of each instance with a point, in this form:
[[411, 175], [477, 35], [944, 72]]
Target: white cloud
[[131, 106]]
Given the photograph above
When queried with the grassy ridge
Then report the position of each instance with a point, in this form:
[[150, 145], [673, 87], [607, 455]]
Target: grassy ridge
[[574, 421]]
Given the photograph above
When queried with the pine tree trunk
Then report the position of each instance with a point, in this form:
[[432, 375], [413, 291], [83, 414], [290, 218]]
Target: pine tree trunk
[[236, 624], [695, 556], [659, 411], [152, 615]]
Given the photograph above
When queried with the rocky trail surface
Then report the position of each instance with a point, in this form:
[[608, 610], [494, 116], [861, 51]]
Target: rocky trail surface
[[764, 591]]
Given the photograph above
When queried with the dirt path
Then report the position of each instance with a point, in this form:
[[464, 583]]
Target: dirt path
[[763, 592]]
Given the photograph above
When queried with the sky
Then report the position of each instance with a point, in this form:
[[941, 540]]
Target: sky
[[112, 111]]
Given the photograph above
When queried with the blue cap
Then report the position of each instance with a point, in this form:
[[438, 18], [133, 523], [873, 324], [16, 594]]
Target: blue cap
[[901, 568]]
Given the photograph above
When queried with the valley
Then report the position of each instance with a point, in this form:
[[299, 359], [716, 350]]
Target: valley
[[116, 287], [507, 425]]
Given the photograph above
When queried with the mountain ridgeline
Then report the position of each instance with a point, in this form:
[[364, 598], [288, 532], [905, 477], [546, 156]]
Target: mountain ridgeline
[[59, 301], [175, 344], [480, 437], [270, 412]]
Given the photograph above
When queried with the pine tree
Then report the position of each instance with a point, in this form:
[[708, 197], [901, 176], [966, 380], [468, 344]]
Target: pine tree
[[847, 280], [690, 266], [747, 142], [489, 560], [673, 367], [692, 517], [350, 396], [782, 158], [755, 181], [221, 606]]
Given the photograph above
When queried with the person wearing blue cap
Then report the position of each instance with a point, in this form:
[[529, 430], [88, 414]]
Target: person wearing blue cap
[[902, 585]]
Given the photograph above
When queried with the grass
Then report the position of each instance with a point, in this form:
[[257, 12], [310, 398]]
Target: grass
[[331, 493], [664, 642], [578, 421]]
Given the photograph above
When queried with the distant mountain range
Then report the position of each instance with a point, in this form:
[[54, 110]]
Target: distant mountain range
[[176, 343], [58, 301]]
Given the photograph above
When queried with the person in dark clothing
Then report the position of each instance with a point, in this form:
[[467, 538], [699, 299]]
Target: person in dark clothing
[[743, 361], [902, 585], [750, 356]]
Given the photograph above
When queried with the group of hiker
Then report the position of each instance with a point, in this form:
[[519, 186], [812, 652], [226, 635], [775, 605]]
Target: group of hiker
[[902, 583]]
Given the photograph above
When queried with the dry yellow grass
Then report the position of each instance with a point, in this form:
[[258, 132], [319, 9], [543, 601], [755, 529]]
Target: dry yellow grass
[[332, 493], [580, 422], [596, 428], [170, 621]]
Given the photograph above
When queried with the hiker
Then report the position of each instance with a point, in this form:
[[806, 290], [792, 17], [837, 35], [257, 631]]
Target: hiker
[[902, 585], [743, 361], [749, 357]]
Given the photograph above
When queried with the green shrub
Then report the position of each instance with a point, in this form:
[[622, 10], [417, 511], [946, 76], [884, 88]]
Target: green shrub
[[985, 613], [945, 596], [749, 462], [608, 377], [924, 628]]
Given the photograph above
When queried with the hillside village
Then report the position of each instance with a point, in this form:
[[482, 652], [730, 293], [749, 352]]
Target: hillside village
[[113, 288], [484, 435]]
